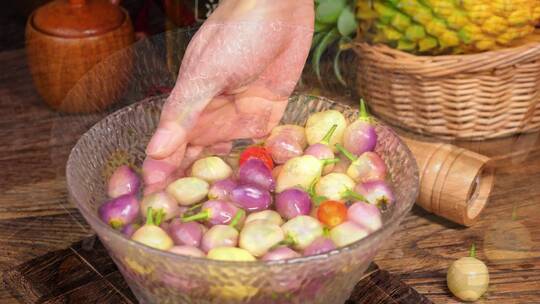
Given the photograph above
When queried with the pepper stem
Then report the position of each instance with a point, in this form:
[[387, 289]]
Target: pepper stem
[[116, 224], [328, 161], [195, 206], [203, 215], [347, 154], [353, 194], [149, 216], [289, 240], [326, 231], [311, 189], [472, 252], [236, 218], [326, 138], [364, 115], [160, 216], [318, 200]]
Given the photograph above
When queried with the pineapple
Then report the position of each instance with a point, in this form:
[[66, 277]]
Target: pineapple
[[447, 26]]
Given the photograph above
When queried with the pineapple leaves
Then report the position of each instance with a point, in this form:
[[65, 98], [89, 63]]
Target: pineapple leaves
[[326, 41], [346, 22], [329, 11]]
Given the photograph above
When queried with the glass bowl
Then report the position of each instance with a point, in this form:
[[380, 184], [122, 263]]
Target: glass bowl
[[160, 277]]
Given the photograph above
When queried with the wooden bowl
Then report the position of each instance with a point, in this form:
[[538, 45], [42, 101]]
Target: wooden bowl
[[77, 68]]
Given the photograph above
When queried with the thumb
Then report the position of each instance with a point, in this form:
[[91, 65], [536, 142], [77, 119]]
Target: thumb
[[168, 137], [178, 116]]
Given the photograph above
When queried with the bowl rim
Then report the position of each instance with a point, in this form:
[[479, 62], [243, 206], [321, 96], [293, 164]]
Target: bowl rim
[[93, 219]]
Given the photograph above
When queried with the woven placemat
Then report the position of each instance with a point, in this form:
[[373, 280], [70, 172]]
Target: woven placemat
[[84, 273]]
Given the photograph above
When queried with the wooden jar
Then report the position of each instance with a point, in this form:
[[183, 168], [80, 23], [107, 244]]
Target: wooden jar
[[455, 183], [78, 53]]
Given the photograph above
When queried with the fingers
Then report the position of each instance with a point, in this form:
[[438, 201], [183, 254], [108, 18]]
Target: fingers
[[215, 126], [156, 172], [167, 139], [222, 148], [192, 154], [247, 117], [260, 110]]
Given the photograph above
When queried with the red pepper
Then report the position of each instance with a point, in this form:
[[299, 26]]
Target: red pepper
[[332, 213], [259, 153]]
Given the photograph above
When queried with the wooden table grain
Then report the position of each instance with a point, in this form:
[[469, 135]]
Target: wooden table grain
[[35, 216]]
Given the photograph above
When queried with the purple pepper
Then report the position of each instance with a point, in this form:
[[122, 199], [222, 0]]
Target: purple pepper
[[119, 211], [219, 236], [293, 202], [280, 253], [322, 150], [251, 198], [188, 250], [221, 190], [123, 181], [360, 136], [187, 234], [366, 215], [320, 245], [161, 201], [214, 212], [376, 193], [255, 172], [129, 229]]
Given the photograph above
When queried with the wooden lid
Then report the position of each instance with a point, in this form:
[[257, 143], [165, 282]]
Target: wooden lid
[[78, 18]]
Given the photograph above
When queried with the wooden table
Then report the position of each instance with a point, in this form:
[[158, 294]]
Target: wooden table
[[35, 216]]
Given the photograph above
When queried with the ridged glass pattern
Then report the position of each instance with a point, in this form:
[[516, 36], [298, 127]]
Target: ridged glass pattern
[[161, 277]]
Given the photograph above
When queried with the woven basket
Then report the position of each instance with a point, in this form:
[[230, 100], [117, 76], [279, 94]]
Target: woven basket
[[473, 97]]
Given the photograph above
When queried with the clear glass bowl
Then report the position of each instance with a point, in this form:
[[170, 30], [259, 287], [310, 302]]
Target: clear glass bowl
[[161, 277]]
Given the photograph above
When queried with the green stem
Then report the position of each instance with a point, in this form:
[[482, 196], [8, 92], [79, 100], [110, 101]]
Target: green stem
[[364, 115], [328, 161], [347, 154], [149, 216], [352, 194], [326, 138], [318, 200], [311, 189], [203, 215], [160, 216], [289, 240], [116, 224], [472, 252], [195, 206], [326, 231], [237, 217]]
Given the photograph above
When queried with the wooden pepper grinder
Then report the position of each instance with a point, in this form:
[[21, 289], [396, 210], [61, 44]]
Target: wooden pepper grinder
[[455, 183], [77, 53]]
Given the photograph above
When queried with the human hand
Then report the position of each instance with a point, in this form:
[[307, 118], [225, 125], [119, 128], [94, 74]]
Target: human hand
[[234, 82]]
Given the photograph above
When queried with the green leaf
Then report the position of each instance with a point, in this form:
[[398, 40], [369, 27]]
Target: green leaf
[[346, 23], [316, 39], [321, 27], [329, 11], [343, 41], [326, 41], [337, 70]]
